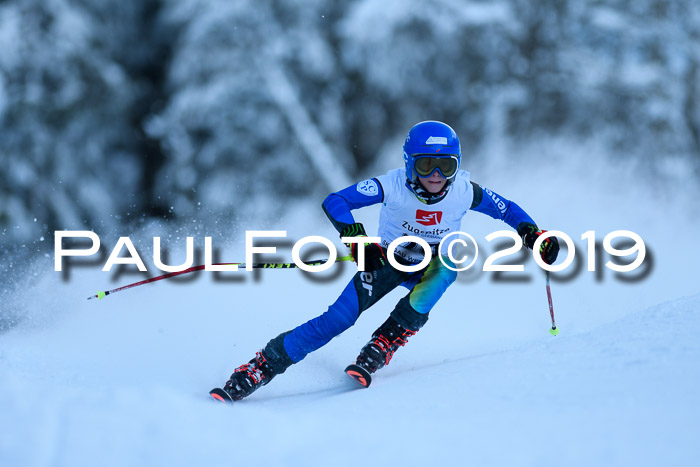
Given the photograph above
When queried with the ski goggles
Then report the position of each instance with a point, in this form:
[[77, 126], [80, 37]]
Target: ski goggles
[[425, 166]]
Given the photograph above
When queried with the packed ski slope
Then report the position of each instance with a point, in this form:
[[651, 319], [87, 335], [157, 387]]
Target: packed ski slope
[[124, 381], [126, 384]]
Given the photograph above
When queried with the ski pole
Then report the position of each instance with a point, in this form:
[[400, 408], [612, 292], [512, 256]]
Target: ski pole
[[554, 331], [317, 262]]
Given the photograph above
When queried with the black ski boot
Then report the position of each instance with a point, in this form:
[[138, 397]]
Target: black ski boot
[[249, 377], [378, 351], [268, 363]]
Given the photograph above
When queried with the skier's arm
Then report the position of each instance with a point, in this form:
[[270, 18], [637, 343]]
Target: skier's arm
[[494, 205], [338, 205]]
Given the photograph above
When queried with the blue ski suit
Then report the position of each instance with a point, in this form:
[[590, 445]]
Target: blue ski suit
[[425, 286]]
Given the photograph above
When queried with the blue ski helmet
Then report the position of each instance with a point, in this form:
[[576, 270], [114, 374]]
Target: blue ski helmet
[[431, 139]]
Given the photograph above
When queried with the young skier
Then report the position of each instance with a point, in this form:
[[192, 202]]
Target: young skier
[[427, 199]]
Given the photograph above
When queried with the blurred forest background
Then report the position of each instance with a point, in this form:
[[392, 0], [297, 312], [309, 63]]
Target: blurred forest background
[[115, 112]]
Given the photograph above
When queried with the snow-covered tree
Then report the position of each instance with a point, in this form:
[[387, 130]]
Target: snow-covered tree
[[237, 125], [112, 110], [66, 146]]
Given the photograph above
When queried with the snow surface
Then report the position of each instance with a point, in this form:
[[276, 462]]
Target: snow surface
[[124, 381], [125, 384]]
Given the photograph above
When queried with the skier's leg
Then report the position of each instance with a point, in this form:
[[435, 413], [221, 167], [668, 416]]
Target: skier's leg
[[290, 347], [429, 289], [409, 315], [363, 291]]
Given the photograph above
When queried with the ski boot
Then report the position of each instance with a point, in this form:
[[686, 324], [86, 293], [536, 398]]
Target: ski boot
[[268, 363], [245, 380], [378, 351]]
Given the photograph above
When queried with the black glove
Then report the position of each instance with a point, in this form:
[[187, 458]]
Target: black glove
[[375, 258], [549, 249]]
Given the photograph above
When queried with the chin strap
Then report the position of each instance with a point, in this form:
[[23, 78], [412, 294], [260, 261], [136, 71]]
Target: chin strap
[[424, 195]]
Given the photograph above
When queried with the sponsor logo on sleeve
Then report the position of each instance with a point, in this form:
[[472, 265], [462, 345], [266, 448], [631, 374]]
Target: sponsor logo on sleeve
[[368, 188], [496, 200]]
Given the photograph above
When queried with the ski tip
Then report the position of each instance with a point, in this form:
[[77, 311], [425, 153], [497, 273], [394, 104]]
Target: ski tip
[[554, 331], [219, 395], [359, 374]]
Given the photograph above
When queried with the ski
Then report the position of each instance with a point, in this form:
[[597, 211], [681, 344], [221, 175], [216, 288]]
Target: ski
[[219, 395], [359, 374]]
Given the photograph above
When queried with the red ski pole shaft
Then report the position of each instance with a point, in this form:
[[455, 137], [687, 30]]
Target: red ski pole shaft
[[101, 295], [554, 331]]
